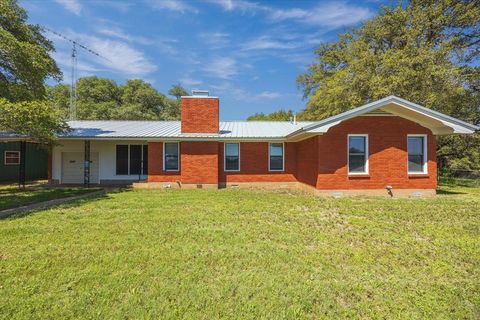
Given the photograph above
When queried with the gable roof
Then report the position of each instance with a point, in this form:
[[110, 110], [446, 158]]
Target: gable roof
[[438, 122]]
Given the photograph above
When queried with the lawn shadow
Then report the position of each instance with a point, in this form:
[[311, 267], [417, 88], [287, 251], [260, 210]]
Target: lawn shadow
[[446, 192], [89, 198]]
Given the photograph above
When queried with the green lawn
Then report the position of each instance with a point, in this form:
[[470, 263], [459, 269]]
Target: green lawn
[[11, 196], [202, 254]]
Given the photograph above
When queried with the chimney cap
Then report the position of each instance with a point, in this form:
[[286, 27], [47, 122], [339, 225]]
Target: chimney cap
[[200, 93]]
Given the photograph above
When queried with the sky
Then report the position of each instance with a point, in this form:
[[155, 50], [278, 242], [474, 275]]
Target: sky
[[248, 53]]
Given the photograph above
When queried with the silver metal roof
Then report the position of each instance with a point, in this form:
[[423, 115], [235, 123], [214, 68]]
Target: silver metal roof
[[229, 130]]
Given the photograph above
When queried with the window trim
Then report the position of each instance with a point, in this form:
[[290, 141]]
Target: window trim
[[5, 158], [367, 169], [178, 158], [425, 155], [225, 157], [128, 159], [283, 157]]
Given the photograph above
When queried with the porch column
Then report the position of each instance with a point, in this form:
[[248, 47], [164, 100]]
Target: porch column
[[22, 166], [86, 165]]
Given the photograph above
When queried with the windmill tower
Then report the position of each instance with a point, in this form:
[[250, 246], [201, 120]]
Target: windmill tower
[[73, 85]]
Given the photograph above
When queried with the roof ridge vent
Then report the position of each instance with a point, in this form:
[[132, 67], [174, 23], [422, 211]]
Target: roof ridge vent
[[200, 93]]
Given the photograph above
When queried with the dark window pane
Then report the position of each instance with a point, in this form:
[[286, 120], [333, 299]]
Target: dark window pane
[[415, 145], [276, 156], [135, 159], [231, 163], [171, 156], [232, 156], [231, 149], [356, 144], [145, 159], [415, 163], [122, 159], [415, 154], [356, 163]]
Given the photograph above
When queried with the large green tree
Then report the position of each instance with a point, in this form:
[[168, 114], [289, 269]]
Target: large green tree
[[425, 51], [281, 115], [25, 60], [25, 64], [103, 99]]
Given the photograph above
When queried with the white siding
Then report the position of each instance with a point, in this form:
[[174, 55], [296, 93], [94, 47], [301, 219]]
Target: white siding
[[107, 158]]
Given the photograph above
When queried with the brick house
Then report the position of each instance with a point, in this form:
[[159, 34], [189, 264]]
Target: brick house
[[385, 147]]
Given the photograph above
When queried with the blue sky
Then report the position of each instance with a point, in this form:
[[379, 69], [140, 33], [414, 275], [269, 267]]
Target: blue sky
[[247, 53]]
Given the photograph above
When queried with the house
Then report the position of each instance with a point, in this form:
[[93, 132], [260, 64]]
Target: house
[[384, 147]]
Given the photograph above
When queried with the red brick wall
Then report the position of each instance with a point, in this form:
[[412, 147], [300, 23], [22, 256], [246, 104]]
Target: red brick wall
[[200, 115], [387, 146], [319, 161], [198, 163], [155, 165], [254, 164], [307, 161]]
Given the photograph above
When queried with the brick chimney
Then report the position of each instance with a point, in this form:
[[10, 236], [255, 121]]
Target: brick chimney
[[200, 113]]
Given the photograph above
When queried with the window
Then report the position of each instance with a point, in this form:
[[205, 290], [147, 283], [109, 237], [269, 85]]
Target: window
[[232, 157], [417, 154], [170, 159], [131, 159], [275, 154], [357, 154], [12, 158]]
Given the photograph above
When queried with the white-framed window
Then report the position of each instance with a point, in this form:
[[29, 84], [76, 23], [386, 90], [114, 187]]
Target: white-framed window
[[131, 159], [417, 153], [171, 156], [276, 156], [231, 161], [11, 158], [357, 154]]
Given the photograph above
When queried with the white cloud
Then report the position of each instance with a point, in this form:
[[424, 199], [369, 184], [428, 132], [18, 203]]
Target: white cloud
[[215, 40], [264, 43], [190, 82], [268, 95], [172, 5], [118, 56], [221, 67], [231, 5], [333, 14], [122, 6], [119, 33], [73, 6]]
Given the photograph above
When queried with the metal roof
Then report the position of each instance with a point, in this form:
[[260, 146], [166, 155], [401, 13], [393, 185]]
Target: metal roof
[[230, 130]]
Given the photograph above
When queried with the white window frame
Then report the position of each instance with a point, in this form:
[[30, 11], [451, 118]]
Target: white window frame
[[225, 157], [128, 158], [283, 157], [5, 158], [178, 158], [366, 154], [425, 155]]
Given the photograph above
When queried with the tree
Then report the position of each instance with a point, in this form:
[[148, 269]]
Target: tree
[[25, 60], [103, 99], [281, 115], [33, 119], [177, 91], [423, 52]]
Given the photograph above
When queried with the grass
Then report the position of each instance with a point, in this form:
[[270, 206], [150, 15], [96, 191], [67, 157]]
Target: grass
[[201, 254], [12, 196]]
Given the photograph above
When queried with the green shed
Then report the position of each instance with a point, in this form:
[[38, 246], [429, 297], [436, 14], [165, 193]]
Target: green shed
[[36, 161]]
